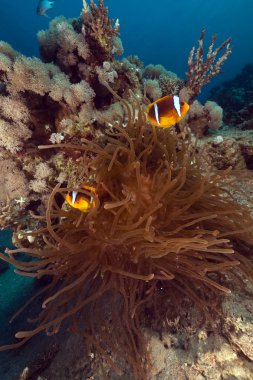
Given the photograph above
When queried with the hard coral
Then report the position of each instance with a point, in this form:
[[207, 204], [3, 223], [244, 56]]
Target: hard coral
[[200, 70], [99, 30], [165, 227], [157, 79]]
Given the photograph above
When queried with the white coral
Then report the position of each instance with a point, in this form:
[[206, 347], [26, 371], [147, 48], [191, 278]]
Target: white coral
[[56, 138], [12, 136]]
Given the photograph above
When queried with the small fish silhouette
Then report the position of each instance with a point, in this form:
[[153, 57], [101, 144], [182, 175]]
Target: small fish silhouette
[[44, 6]]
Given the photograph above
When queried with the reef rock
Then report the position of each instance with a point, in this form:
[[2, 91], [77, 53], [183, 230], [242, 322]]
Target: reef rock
[[236, 98]]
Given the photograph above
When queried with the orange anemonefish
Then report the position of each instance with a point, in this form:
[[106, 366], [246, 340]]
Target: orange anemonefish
[[167, 111], [82, 201]]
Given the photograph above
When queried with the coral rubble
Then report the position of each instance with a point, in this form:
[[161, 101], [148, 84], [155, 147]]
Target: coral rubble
[[225, 152]]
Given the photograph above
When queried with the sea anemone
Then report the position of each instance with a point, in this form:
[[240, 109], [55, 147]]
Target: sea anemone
[[163, 219]]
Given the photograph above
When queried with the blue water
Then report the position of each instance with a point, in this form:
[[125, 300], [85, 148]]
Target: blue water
[[157, 31]]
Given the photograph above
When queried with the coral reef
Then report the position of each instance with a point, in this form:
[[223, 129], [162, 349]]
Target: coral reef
[[161, 82], [236, 98], [225, 152], [62, 97], [229, 147], [50, 101], [200, 70], [153, 228], [166, 230], [203, 119]]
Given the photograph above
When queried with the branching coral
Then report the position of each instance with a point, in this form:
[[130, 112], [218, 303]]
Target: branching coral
[[99, 29], [163, 220], [200, 70]]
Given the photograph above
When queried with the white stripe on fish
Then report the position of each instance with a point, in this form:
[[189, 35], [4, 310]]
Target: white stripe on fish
[[176, 102], [156, 114], [74, 195]]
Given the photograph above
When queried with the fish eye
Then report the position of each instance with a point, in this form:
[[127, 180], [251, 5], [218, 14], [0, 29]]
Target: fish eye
[[181, 104]]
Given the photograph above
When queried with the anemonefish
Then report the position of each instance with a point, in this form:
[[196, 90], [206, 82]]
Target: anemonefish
[[167, 111], [44, 6], [81, 201]]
